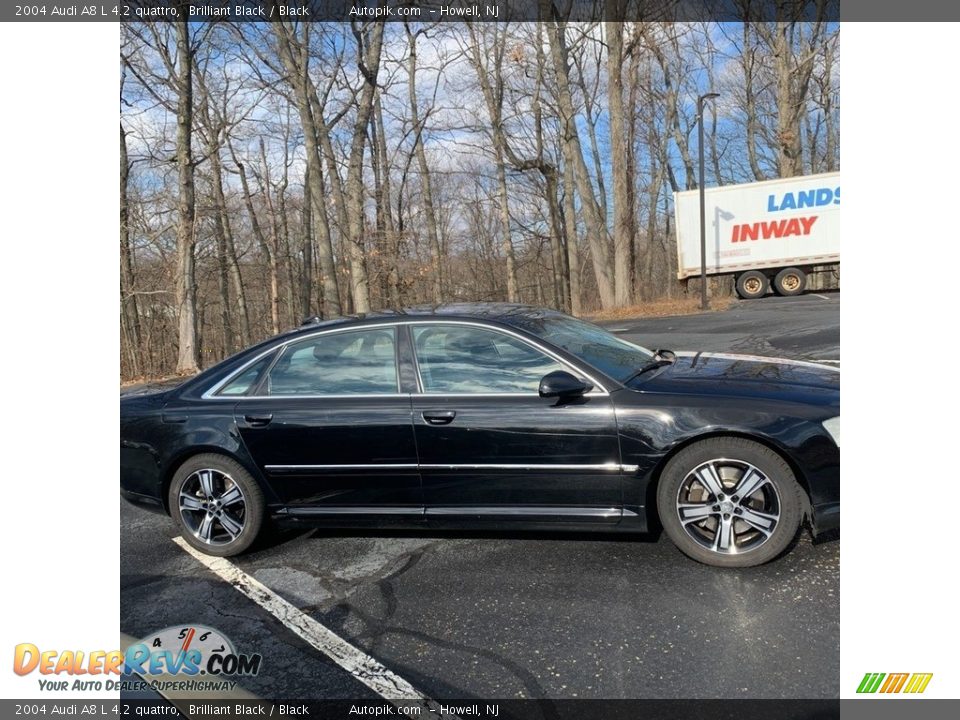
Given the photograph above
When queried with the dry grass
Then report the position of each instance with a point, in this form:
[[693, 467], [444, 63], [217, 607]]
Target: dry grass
[[170, 380], [660, 308]]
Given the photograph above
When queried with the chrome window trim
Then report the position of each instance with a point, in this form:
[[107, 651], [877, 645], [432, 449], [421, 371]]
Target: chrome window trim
[[211, 394]]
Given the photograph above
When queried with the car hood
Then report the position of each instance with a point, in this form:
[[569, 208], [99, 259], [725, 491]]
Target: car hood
[[746, 376]]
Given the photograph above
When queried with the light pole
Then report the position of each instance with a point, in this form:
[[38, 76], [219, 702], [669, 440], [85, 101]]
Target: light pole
[[703, 203]]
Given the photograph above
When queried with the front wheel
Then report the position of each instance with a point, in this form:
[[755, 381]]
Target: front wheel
[[729, 502], [216, 504]]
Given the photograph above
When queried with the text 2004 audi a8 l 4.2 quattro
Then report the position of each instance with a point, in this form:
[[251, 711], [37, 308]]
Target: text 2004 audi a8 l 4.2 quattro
[[490, 416]]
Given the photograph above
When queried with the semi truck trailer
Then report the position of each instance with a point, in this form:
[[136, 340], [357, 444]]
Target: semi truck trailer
[[770, 234]]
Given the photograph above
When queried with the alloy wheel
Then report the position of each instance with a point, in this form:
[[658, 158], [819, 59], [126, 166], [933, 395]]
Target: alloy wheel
[[212, 506], [728, 506]]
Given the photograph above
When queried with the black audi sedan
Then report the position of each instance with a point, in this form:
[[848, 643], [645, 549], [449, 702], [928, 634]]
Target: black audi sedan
[[490, 416]]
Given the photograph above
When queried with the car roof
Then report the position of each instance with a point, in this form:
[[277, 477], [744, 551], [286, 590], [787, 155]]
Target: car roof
[[507, 313]]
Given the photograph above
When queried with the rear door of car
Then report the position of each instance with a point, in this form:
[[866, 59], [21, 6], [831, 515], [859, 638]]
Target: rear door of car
[[330, 428], [490, 448]]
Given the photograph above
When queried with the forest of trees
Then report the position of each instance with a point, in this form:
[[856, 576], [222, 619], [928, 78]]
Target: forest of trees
[[270, 172]]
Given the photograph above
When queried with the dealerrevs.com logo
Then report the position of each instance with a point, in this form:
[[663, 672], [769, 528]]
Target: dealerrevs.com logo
[[179, 654], [911, 683]]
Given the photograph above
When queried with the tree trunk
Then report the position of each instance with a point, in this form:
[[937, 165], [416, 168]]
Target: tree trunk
[[130, 310], [220, 235], [748, 59], [789, 142], [233, 264], [503, 202], [273, 249], [830, 153], [294, 55], [425, 187], [188, 357], [561, 271], [573, 156], [493, 97], [306, 248], [385, 208], [261, 241], [573, 251], [369, 65], [620, 151]]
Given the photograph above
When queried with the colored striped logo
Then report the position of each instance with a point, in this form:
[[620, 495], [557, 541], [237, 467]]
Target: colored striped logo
[[894, 682]]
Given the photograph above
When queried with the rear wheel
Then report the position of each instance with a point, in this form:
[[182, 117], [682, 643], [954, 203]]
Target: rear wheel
[[752, 284], [729, 502], [216, 504], [790, 281]]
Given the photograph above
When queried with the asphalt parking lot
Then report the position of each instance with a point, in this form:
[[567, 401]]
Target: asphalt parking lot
[[535, 615]]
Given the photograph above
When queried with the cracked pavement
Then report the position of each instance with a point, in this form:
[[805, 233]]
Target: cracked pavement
[[533, 615]]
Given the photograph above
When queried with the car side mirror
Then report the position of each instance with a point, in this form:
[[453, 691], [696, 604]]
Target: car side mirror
[[561, 384]]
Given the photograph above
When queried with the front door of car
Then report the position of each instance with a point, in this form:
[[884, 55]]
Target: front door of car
[[331, 430], [491, 448]]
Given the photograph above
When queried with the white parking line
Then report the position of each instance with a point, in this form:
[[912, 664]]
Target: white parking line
[[822, 297], [360, 665]]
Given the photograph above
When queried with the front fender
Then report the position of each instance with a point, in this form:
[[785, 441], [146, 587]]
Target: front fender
[[652, 428]]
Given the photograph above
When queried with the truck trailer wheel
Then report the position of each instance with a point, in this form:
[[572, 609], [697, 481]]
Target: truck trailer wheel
[[752, 284], [790, 281]]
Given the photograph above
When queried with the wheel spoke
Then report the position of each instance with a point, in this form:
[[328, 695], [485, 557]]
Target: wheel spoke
[[764, 522], [231, 496], [232, 527], [695, 512], [189, 502], [723, 541], [749, 484], [206, 482], [707, 475], [206, 528]]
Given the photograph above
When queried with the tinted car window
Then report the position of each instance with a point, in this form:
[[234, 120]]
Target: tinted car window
[[245, 381], [360, 362], [466, 359], [603, 350]]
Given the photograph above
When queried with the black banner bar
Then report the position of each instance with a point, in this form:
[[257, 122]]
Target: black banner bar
[[243, 11], [199, 709]]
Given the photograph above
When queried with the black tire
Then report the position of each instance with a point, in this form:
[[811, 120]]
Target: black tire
[[752, 284], [790, 281], [224, 474], [779, 489]]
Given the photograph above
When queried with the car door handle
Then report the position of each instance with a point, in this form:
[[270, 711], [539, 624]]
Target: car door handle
[[439, 417], [258, 420]]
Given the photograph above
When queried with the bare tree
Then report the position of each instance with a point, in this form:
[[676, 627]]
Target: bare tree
[[621, 151], [507, 161], [130, 310], [293, 47], [188, 355], [596, 230], [419, 126], [369, 38]]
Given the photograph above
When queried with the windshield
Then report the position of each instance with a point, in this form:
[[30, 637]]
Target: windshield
[[595, 346]]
